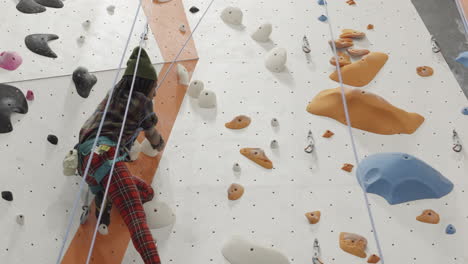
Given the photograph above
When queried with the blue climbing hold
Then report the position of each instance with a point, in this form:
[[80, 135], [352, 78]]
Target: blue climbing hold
[[450, 230], [321, 2], [400, 177], [465, 111], [323, 18], [463, 59]]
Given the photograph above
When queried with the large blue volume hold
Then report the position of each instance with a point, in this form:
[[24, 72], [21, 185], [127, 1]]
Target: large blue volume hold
[[400, 177]]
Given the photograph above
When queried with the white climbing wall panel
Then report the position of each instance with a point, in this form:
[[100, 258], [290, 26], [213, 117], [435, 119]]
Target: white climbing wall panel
[[104, 39], [195, 170]]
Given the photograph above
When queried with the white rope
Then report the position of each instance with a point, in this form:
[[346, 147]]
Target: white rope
[[350, 131], [83, 182]]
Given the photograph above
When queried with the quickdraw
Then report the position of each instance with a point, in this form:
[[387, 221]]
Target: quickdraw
[[316, 258], [457, 146], [311, 146]]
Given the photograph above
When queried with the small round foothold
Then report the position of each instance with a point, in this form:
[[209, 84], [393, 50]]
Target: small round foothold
[[262, 33], [274, 144], [29, 95], [321, 2], [52, 139], [313, 217], [323, 18], [236, 167], [86, 24], [195, 88], [81, 39], [111, 9], [20, 219], [10, 60], [7, 196], [274, 122], [207, 99], [235, 191], [194, 9], [103, 229], [465, 111], [232, 15], [182, 28], [450, 230]]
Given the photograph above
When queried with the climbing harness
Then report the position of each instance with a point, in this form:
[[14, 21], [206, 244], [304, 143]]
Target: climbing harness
[[316, 259], [457, 146], [435, 45], [305, 45], [311, 143]]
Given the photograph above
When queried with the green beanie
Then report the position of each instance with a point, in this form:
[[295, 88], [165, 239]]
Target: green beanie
[[145, 68]]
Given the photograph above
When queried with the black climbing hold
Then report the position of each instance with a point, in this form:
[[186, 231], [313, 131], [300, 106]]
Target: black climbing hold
[[50, 3], [30, 7], [37, 43], [194, 9], [11, 100], [84, 81], [52, 139], [7, 195]]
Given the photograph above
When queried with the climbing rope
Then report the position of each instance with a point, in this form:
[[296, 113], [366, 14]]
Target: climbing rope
[[350, 131]]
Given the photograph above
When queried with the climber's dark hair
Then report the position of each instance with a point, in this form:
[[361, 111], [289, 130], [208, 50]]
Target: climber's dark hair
[[142, 85]]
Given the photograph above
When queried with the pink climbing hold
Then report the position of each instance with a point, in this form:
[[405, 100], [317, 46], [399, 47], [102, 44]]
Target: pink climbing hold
[[30, 95], [10, 60]]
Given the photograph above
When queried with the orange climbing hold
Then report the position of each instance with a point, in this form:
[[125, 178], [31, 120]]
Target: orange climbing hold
[[313, 217], [429, 217], [258, 156], [328, 134], [351, 2], [373, 259], [235, 191], [370, 26], [425, 71], [343, 59], [347, 167], [342, 43]]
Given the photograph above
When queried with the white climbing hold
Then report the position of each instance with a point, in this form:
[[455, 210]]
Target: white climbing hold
[[263, 32], [232, 15], [240, 251], [158, 214], [20, 219], [274, 122], [111, 9], [195, 88], [207, 99], [70, 163], [274, 144], [103, 229], [236, 167], [183, 74], [182, 28], [276, 60], [81, 39], [135, 151], [86, 24], [147, 149]]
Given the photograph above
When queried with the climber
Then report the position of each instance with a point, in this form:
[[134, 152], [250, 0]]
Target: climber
[[127, 192]]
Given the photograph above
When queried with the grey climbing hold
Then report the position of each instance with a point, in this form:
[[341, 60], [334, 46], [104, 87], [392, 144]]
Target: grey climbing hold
[[7, 195], [20, 219], [84, 81], [37, 43], [86, 24], [274, 122], [400, 178], [111, 9], [274, 144], [11, 100], [194, 9], [450, 230], [30, 7], [52, 139], [50, 3], [236, 167]]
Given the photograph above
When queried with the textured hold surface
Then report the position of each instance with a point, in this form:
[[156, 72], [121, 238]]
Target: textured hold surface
[[240, 251], [235, 191], [232, 15], [84, 81], [263, 32], [70, 163], [373, 259], [183, 74], [276, 59], [52, 139], [207, 99], [258, 156], [10, 60], [343, 43], [239, 122], [29, 95], [450, 230], [158, 214], [30, 7], [400, 177], [194, 9], [362, 72], [429, 217], [7, 195], [425, 71], [50, 3], [463, 59], [367, 111], [328, 134], [343, 59], [323, 18], [11, 100], [351, 33], [37, 43], [353, 244], [347, 167], [313, 217], [195, 88], [358, 52]]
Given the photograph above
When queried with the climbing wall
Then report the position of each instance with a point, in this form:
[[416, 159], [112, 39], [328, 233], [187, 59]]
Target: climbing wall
[[104, 37], [196, 168]]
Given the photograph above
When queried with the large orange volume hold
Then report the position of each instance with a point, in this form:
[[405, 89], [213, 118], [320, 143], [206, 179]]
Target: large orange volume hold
[[363, 71], [258, 156], [367, 111]]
